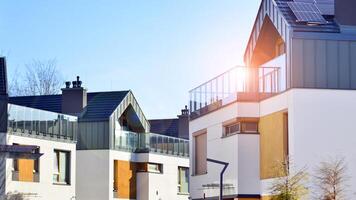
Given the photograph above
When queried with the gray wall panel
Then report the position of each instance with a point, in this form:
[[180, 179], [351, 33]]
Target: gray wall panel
[[344, 64], [93, 135], [320, 64], [331, 64], [297, 74], [323, 64], [309, 63], [353, 64]]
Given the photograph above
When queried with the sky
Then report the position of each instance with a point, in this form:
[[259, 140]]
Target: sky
[[159, 49]]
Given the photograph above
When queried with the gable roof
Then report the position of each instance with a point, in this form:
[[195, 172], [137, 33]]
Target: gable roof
[[169, 127], [284, 20], [100, 104]]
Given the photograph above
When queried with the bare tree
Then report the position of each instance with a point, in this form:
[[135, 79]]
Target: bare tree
[[40, 78], [289, 184], [331, 179]]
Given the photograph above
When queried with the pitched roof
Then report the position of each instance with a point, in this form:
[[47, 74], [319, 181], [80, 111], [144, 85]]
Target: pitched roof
[[100, 104], [167, 127], [330, 27]]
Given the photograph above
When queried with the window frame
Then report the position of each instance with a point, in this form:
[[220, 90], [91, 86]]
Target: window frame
[[159, 167], [67, 166], [182, 169], [195, 135]]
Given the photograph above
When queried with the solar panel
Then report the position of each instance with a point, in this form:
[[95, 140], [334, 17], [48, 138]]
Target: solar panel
[[307, 12]]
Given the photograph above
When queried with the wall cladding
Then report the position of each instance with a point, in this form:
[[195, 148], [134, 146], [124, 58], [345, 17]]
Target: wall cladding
[[323, 64], [93, 135]]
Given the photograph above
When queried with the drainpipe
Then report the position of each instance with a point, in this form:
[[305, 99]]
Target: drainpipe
[[221, 174]]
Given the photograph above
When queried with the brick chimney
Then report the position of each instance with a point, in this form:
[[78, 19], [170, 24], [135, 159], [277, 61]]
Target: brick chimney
[[345, 12], [4, 98], [74, 98], [183, 124]]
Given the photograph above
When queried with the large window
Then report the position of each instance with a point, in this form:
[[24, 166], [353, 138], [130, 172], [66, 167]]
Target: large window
[[61, 167], [183, 180], [200, 154]]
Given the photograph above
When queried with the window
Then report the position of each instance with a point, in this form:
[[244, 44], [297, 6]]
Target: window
[[183, 180], [232, 129], [61, 167], [240, 127], [155, 168], [249, 127], [200, 154]]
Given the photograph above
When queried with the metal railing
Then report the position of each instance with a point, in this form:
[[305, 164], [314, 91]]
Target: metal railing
[[232, 83], [27, 121], [151, 142]]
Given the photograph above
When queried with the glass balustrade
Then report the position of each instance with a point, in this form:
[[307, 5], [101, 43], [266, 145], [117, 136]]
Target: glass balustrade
[[245, 83], [151, 142], [34, 122]]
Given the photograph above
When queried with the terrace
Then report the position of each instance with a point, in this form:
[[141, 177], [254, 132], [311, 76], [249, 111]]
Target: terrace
[[151, 142], [249, 84], [31, 122]]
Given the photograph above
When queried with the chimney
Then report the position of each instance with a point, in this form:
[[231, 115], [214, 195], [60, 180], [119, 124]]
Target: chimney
[[183, 123], [74, 98], [345, 12], [4, 99]]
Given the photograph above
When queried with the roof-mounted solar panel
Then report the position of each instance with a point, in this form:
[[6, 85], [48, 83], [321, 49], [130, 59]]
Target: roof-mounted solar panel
[[307, 12]]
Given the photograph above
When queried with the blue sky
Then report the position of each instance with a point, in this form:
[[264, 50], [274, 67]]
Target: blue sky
[[160, 49]]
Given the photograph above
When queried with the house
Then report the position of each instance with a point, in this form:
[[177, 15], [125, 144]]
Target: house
[[294, 99], [117, 155], [52, 134], [175, 127]]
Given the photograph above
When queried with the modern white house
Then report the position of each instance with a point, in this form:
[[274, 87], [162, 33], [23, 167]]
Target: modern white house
[[117, 156], [294, 98], [53, 136]]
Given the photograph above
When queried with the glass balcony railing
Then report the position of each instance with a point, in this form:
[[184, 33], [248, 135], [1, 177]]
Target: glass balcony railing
[[151, 142], [39, 123], [244, 83]]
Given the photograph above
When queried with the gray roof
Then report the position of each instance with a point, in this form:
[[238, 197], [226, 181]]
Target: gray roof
[[169, 127], [100, 104], [331, 27]]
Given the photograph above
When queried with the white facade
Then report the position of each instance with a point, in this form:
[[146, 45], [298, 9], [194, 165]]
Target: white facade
[[240, 151], [45, 189], [321, 125], [95, 175]]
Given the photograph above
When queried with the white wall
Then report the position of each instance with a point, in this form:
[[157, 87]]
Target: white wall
[[95, 174], [161, 186], [45, 189], [322, 125], [93, 179], [223, 149], [248, 164]]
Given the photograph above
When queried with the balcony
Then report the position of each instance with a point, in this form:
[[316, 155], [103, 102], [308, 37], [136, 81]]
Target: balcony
[[237, 84], [151, 142], [30, 122]]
